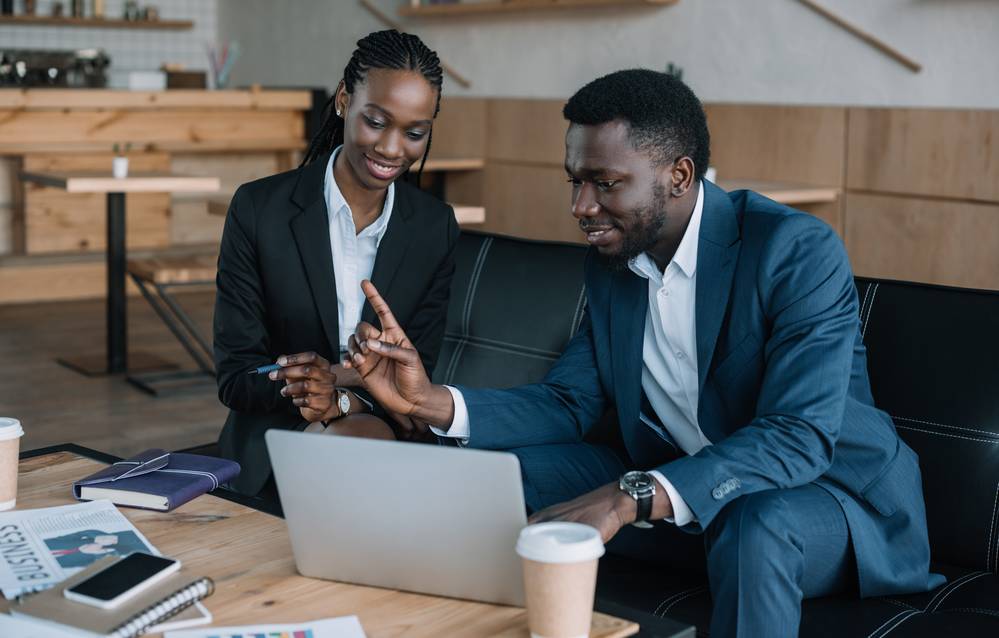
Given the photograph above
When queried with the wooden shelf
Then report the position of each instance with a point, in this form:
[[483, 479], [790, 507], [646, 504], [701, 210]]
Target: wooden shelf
[[783, 192], [452, 164], [98, 23], [475, 8]]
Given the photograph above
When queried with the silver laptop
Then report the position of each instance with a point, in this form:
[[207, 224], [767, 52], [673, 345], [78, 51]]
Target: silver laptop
[[424, 518]]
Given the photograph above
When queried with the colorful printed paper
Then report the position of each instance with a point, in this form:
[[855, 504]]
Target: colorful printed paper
[[344, 627]]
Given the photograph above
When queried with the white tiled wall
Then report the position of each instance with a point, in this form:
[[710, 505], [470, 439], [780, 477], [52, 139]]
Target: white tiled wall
[[129, 49]]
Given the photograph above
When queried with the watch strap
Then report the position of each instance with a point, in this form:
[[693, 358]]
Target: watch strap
[[644, 507]]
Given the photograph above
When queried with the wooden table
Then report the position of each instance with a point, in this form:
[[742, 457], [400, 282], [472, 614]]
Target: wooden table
[[248, 554], [116, 360]]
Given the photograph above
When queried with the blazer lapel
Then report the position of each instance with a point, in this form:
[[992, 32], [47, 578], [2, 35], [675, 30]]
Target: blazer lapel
[[629, 304], [312, 236], [392, 249], [717, 253]]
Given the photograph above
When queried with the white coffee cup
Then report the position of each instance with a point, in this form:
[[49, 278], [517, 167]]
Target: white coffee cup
[[10, 444], [560, 577]]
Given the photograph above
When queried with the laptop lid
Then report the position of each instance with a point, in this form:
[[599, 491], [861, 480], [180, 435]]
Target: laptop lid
[[423, 518]]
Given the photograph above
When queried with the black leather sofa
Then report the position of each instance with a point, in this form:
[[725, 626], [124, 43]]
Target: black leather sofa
[[934, 366]]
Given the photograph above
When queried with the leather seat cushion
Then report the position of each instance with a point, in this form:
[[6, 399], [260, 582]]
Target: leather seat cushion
[[967, 605]]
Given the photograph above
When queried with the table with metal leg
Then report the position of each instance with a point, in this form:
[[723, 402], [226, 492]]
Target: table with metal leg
[[116, 359]]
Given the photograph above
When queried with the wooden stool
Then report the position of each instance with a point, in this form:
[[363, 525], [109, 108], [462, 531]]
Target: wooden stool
[[155, 277]]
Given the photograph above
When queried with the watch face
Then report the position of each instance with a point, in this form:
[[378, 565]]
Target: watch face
[[344, 403], [636, 481]]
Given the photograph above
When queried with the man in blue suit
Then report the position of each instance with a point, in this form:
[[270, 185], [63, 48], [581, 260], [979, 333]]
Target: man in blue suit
[[724, 330]]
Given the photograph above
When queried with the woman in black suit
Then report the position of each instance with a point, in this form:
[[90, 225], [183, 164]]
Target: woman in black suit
[[297, 245]]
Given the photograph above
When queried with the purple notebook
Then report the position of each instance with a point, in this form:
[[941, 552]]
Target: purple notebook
[[156, 479]]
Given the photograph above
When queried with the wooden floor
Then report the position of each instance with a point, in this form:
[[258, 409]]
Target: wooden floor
[[57, 405]]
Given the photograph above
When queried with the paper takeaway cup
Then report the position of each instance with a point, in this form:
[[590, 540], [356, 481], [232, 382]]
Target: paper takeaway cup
[[10, 444], [560, 577]]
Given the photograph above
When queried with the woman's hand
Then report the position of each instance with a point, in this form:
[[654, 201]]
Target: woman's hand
[[311, 383], [346, 377]]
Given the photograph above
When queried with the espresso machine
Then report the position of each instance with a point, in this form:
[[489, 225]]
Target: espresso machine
[[29, 68]]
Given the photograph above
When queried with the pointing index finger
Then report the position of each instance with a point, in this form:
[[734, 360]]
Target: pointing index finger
[[379, 306]]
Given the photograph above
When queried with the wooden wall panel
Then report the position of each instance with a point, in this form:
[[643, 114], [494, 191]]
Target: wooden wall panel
[[54, 220], [829, 212], [803, 144], [526, 131], [460, 129], [933, 241], [529, 201], [942, 153], [190, 221]]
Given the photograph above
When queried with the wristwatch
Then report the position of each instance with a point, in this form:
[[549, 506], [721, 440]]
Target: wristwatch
[[640, 486], [343, 402]]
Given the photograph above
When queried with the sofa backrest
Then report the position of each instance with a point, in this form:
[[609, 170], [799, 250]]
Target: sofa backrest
[[933, 358], [514, 305]]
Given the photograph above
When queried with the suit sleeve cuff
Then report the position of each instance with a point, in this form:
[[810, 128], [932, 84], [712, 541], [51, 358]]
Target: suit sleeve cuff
[[459, 424], [681, 511]]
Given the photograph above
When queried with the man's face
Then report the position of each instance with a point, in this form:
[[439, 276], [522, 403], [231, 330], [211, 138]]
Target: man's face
[[618, 193]]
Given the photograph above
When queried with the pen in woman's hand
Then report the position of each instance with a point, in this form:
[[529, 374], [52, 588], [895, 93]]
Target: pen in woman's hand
[[265, 369]]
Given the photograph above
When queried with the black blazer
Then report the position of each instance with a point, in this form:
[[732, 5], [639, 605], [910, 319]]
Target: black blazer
[[276, 295]]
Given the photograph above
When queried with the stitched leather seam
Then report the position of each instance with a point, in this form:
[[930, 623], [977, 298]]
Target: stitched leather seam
[[577, 317], [508, 350], [459, 349], [899, 603], [906, 613], [473, 283], [694, 592], [682, 598], [976, 610], [944, 425], [900, 621], [863, 333], [668, 599], [992, 529], [966, 581], [952, 436], [946, 588], [863, 305], [453, 336]]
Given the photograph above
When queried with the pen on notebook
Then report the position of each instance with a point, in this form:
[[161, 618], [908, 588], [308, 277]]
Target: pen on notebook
[[264, 369]]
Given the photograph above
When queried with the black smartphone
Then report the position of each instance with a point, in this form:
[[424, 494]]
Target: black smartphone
[[122, 580]]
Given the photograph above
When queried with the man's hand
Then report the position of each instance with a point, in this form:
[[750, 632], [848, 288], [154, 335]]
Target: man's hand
[[310, 382], [391, 370], [606, 508]]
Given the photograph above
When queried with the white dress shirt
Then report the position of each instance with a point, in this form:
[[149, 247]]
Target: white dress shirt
[[353, 253], [669, 355]]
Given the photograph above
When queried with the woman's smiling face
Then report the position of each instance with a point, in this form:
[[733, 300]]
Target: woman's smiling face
[[387, 122]]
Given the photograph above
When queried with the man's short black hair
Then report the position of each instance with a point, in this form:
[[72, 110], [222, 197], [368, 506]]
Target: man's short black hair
[[665, 117]]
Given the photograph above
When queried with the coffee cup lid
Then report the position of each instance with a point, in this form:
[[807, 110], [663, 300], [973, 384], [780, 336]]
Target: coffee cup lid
[[560, 543], [10, 428]]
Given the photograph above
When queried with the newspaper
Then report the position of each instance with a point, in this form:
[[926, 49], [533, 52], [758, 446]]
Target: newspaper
[[41, 547]]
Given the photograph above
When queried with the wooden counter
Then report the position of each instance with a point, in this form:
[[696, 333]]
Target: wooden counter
[[92, 120], [239, 135]]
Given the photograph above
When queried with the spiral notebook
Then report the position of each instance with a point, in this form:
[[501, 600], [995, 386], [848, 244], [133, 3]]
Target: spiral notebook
[[164, 601]]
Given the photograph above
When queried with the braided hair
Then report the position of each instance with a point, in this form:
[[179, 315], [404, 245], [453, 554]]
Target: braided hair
[[387, 49]]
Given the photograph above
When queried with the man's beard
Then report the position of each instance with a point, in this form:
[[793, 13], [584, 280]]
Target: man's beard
[[644, 235]]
